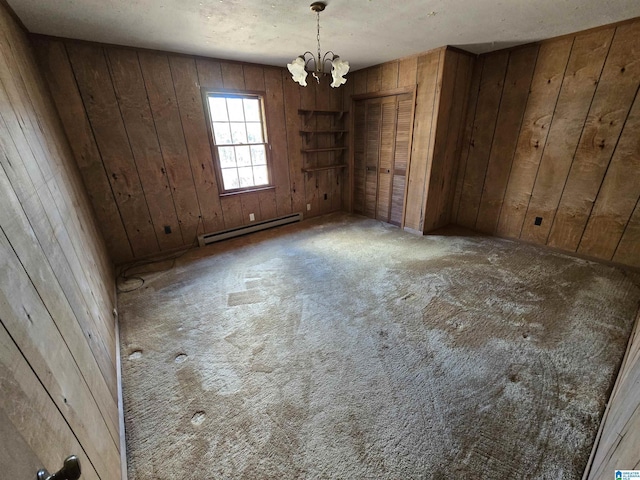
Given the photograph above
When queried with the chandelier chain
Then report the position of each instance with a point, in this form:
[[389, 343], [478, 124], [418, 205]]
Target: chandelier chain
[[318, 37]]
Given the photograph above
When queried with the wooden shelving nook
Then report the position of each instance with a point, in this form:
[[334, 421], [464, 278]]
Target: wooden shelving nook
[[324, 142]]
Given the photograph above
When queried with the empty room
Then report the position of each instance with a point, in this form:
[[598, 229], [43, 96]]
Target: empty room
[[352, 239]]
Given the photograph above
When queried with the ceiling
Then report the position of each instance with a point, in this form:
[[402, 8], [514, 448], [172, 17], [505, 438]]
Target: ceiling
[[365, 32]]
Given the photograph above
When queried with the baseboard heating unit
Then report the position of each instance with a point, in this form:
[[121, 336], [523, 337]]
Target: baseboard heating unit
[[209, 238]]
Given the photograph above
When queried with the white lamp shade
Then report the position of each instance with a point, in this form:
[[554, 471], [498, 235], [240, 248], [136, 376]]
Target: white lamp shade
[[339, 69], [298, 73]]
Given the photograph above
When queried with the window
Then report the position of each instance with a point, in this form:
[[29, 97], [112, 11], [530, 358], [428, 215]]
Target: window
[[239, 138]]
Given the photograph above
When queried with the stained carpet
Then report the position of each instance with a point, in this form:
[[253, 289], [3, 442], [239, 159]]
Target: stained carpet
[[346, 348]]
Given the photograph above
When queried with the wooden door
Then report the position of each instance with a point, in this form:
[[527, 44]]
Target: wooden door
[[382, 132]]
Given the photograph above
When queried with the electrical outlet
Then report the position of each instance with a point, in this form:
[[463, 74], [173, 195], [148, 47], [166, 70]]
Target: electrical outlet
[[308, 207], [167, 229], [325, 196], [252, 217], [538, 221]]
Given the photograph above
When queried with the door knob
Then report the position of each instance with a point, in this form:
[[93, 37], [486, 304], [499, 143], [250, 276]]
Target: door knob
[[70, 471]]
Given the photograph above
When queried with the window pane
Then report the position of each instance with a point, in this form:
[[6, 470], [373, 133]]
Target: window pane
[[243, 155], [238, 130], [261, 175], [227, 157], [246, 177], [218, 108], [252, 109], [239, 133], [222, 133], [258, 156], [230, 178], [236, 113], [254, 132]]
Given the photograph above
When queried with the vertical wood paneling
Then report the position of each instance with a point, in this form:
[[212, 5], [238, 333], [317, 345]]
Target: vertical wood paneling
[[324, 122], [27, 406], [143, 138], [455, 138], [472, 106], [209, 73], [294, 143], [616, 446], [628, 251], [545, 87], [407, 72], [232, 76], [438, 179], [154, 109], [575, 164], [55, 66], [277, 122], [619, 193], [102, 109], [427, 81], [311, 179], [166, 116], [484, 127], [19, 306], [374, 79], [576, 95], [514, 100], [389, 74], [359, 80], [58, 391], [185, 80], [607, 116], [24, 163]]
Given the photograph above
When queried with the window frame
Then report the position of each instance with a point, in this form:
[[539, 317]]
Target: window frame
[[229, 93]]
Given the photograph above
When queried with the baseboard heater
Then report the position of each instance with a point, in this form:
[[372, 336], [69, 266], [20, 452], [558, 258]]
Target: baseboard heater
[[209, 238]]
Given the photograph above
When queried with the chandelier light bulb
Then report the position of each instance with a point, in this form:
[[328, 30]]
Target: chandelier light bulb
[[307, 63]]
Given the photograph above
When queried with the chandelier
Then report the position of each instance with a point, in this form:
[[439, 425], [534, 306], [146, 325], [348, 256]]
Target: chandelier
[[307, 62]]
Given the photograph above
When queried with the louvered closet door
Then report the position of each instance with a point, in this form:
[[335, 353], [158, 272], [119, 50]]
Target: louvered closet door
[[404, 121], [359, 150], [372, 156], [381, 155]]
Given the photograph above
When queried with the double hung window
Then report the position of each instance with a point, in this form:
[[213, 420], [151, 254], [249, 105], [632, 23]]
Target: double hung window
[[240, 140]]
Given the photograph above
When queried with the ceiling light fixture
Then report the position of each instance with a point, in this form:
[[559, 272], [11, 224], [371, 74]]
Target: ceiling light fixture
[[301, 65]]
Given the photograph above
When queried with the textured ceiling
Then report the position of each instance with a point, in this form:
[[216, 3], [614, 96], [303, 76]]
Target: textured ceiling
[[365, 32]]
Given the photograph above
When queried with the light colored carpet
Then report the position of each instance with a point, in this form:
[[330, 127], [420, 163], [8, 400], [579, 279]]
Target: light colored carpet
[[345, 348]]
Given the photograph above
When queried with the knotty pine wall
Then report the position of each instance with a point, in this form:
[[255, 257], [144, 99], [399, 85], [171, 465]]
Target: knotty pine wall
[[58, 387], [441, 78], [553, 131], [137, 126]]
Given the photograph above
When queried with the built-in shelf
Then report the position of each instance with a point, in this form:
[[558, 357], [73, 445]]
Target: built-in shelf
[[327, 149], [328, 167], [310, 133], [336, 128], [309, 113]]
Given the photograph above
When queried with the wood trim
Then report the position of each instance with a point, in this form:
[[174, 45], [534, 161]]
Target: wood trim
[[262, 95], [410, 148]]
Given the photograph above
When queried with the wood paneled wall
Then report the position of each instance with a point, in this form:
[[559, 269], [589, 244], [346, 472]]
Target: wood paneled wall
[[58, 388], [442, 79], [553, 133], [616, 446], [136, 123]]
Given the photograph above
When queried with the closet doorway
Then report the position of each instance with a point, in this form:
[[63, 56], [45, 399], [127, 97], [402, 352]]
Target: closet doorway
[[383, 128]]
